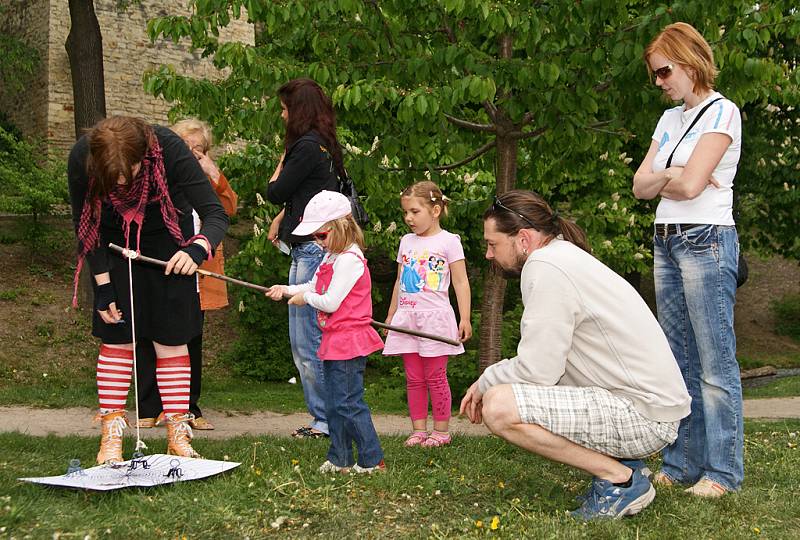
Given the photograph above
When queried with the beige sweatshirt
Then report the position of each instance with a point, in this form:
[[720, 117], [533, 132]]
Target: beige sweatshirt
[[584, 325]]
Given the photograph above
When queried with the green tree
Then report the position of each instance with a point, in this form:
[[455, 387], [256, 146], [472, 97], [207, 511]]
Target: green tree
[[482, 96]]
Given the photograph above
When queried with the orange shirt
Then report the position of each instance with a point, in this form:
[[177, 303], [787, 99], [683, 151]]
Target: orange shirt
[[213, 292]]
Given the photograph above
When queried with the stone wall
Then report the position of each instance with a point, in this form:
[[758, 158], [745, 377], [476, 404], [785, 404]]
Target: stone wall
[[27, 20], [127, 54]]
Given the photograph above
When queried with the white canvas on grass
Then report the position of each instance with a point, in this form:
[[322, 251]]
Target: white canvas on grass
[[147, 471]]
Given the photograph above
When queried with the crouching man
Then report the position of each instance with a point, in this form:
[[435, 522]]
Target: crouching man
[[594, 384]]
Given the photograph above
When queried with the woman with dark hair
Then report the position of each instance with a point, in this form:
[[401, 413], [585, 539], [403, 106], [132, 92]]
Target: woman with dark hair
[[311, 163], [136, 185]]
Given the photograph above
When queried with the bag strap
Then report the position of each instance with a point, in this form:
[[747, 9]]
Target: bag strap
[[696, 118]]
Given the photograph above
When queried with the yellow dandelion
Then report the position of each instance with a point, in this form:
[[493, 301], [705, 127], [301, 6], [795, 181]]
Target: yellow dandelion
[[495, 523], [501, 484], [295, 461], [479, 524]]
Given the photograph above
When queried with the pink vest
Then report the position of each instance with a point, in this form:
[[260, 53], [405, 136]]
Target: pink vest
[[347, 332]]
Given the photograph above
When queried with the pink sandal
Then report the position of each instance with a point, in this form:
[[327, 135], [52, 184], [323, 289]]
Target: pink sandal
[[436, 439], [417, 438]]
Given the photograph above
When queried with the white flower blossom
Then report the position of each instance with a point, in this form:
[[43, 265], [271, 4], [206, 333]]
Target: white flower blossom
[[357, 17], [470, 178], [601, 206], [627, 160], [611, 172], [374, 146], [631, 220], [260, 200], [258, 220], [427, 175], [385, 160], [604, 157], [615, 196], [622, 156], [258, 261], [392, 227], [241, 306], [615, 206], [786, 186], [607, 243], [638, 256], [257, 230], [377, 227], [277, 139], [355, 150], [761, 162]]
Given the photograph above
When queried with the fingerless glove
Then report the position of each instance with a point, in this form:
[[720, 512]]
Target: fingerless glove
[[197, 252], [104, 296]]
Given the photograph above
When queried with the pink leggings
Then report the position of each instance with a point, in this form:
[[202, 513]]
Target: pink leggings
[[424, 374]]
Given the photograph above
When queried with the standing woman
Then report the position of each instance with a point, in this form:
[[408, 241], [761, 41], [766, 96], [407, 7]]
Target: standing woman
[[311, 161], [690, 166], [135, 185]]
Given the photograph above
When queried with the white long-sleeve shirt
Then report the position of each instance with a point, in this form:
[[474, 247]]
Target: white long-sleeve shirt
[[347, 268], [584, 325]]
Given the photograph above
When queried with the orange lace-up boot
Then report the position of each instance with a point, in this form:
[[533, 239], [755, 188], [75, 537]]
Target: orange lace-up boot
[[179, 436], [113, 425]]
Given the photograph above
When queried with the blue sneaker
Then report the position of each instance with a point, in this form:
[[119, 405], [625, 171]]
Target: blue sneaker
[[607, 501], [637, 465]]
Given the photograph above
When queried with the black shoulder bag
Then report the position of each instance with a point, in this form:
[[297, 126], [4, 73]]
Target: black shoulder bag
[[742, 272], [348, 189]]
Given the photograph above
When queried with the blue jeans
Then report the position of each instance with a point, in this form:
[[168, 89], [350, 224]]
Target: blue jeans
[[305, 335], [695, 278], [349, 418]]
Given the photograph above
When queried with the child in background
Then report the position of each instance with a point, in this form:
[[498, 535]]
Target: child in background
[[427, 259], [341, 292]]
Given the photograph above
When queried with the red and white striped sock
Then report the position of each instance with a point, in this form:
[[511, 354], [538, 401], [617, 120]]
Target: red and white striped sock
[[114, 369], [173, 376]]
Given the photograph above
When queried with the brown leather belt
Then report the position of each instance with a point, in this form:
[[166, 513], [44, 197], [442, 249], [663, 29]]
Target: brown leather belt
[[667, 229]]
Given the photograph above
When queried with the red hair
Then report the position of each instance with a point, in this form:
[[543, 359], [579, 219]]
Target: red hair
[[116, 144]]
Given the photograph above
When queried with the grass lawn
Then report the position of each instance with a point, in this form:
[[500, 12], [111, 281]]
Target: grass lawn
[[478, 487], [785, 387]]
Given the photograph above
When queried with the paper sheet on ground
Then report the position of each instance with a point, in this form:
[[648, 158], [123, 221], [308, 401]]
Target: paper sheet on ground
[[152, 470]]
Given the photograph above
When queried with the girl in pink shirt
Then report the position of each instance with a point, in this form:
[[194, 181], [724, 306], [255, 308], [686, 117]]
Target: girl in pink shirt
[[427, 259], [341, 293]]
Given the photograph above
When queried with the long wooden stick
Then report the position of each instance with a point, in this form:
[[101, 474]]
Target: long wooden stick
[[158, 262]]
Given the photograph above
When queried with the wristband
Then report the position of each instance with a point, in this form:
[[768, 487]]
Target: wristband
[[197, 252], [104, 296]]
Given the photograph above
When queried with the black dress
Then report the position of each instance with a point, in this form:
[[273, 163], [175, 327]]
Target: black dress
[[167, 308]]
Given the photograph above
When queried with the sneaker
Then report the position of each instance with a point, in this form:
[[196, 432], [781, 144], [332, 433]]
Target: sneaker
[[607, 501], [161, 419], [329, 467], [707, 489], [380, 467]]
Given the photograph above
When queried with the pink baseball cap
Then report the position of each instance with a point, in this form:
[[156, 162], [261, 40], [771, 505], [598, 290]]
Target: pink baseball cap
[[323, 207]]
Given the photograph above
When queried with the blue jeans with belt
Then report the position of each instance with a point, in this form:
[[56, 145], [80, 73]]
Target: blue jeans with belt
[[695, 277], [305, 334]]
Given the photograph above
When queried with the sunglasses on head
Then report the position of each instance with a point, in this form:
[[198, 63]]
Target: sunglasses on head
[[663, 72], [498, 205], [321, 235]]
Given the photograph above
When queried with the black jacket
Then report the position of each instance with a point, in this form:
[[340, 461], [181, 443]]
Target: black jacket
[[307, 170]]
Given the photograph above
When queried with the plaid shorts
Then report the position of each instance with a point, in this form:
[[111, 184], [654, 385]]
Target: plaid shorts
[[594, 418]]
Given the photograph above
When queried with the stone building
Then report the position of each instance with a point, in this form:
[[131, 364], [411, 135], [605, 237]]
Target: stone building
[[45, 109]]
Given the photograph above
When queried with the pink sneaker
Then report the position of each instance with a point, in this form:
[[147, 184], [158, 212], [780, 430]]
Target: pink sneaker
[[436, 439]]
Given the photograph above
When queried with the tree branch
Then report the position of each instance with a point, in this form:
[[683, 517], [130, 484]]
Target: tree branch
[[386, 31], [466, 124], [472, 157], [520, 135]]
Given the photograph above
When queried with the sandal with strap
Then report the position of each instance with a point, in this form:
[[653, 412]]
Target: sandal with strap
[[308, 433], [436, 439], [416, 439]]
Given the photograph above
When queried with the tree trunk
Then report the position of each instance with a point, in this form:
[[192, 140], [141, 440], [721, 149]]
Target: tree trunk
[[495, 284], [85, 51]]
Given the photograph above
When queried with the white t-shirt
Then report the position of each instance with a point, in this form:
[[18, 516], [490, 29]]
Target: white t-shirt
[[713, 205]]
